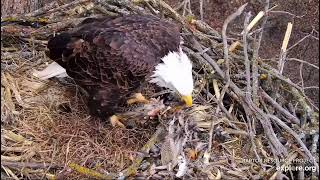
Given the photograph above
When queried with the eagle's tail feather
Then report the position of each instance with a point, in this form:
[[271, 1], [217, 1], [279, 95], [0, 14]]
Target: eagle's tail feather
[[53, 70]]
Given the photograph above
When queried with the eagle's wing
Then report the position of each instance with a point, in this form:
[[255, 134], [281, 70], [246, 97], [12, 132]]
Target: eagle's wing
[[111, 57]]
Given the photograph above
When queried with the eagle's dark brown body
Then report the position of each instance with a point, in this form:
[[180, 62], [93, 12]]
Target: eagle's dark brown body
[[111, 57]]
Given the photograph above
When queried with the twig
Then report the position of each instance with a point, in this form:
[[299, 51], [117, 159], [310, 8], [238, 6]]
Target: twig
[[211, 62], [266, 124], [9, 172], [286, 37], [39, 11], [285, 12], [91, 173], [50, 9], [208, 152], [25, 21], [256, 55], [59, 26], [166, 7], [216, 88], [32, 165], [205, 28], [179, 6], [315, 141], [249, 116], [301, 40], [224, 36], [311, 87], [296, 136], [253, 22], [229, 115], [104, 11], [308, 112], [301, 77], [113, 8], [251, 135], [185, 8], [14, 149], [153, 10], [274, 104], [246, 57], [314, 147], [189, 7], [302, 61], [268, 69], [156, 137], [284, 48], [207, 59], [225, 48], [201, 10]]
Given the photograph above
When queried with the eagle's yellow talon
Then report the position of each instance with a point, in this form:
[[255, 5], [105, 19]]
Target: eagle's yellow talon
[[137, 98], [115, 121]]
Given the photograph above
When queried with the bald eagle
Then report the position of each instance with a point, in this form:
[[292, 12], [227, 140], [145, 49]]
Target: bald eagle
[[111, 57]]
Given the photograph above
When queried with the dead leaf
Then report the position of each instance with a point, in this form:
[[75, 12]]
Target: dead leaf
[[234, 46], [8, 81], [8, 99], [192, 154], [15, 137], [263, 77]]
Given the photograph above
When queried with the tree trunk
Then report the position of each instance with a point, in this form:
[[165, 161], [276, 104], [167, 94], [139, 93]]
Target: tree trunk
[[19, 7]]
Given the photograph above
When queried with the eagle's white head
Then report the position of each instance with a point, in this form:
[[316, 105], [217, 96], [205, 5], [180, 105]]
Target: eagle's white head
[[175, 73]]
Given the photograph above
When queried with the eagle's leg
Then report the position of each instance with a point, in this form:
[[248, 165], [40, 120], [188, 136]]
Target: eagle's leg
[[137, 98], [115, 121]]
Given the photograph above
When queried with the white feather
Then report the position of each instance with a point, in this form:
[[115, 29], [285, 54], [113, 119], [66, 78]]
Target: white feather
[[183, 167], [53, 70], [175, 73]]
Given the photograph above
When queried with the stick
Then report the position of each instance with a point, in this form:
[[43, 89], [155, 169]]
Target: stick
[[216, 88], [302, 39], [253, 22], [32, 165], [284, 48], [302, 61], [271, 71], [248, 88], [225, 48], [201, 10], [234, 46], [296, 136], [90, 172], [39, 11], [48, 10], [156, 137], [255, 56], [283, 111], [246, 57]]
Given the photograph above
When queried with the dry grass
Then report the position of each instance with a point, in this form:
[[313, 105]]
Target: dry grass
[[60, 137]]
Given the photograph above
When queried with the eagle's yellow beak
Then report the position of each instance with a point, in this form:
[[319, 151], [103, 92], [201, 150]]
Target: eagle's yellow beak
[[187, 100]]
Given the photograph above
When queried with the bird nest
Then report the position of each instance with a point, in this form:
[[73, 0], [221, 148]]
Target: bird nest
[[248, 121]]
